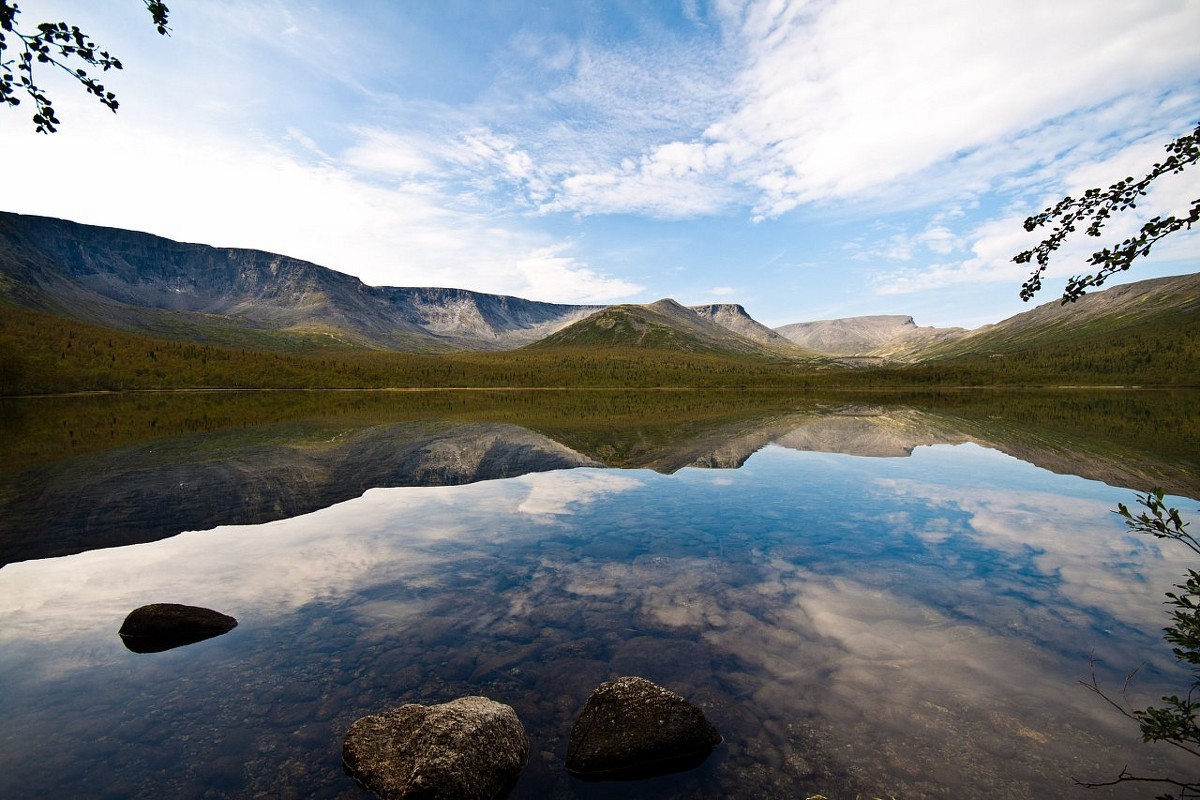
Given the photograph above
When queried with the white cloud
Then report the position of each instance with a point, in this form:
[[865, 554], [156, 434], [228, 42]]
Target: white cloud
[[318, 145], [203, 185], [379, 152], [1097, 563], [848, 99], [277, 567], [992, 243], [560, 493], [549, 273], [866, 93]]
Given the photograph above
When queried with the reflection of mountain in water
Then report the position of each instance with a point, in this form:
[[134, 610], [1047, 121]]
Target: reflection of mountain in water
[[152, 490], [853, 430], [870, 432], [149, 492]]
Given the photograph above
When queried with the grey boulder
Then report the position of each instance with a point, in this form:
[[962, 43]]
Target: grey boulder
[[471, 748], [631, 728]]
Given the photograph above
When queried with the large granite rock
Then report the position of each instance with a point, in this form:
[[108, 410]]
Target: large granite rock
[[162, 626], [632, 728], [471, 748]]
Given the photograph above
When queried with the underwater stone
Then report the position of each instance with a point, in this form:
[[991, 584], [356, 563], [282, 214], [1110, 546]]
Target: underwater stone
[[633, 728], [471, 748]]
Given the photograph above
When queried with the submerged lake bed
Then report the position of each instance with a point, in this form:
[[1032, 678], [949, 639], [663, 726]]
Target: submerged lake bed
[[863, 596]]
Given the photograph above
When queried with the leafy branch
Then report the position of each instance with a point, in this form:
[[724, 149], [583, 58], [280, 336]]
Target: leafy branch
[[1158, 520], [1094, 209], [59, 45], [1175, 723]]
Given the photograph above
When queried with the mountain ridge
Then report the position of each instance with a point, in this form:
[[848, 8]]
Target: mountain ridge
[[148, 284], [734, 317], [141, 282]]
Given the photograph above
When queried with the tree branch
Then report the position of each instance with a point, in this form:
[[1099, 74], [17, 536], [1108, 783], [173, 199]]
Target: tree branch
[[56, 43], [1094, 208], [1126, 776]]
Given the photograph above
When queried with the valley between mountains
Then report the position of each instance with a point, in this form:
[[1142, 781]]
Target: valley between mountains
[[91, 308]]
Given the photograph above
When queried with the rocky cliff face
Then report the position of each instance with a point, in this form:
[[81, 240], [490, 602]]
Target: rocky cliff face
[[734, 317], [472, 319], [136, 281]]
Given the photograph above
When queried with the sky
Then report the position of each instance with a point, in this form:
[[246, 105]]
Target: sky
[[808, 160]]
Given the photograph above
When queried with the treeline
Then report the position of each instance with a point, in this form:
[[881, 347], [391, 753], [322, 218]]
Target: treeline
[[43, 354]]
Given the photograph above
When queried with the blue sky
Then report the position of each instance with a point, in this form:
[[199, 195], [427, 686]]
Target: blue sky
[[809, 160]]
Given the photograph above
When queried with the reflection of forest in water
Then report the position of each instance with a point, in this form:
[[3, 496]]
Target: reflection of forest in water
[[86, 472]]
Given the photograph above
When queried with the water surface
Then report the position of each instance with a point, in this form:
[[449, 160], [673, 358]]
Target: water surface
[[863, 598]]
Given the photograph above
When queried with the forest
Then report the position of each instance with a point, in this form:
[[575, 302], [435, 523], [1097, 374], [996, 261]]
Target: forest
[[42, 354]]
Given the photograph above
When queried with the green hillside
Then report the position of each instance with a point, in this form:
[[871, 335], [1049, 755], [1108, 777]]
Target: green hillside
[[43, 354], [664, 325], [1148, 309]]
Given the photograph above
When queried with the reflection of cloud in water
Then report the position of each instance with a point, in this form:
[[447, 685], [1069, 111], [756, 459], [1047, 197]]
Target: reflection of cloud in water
[[561, 493], [894, 685], [907, 633], [1093, 558], [387, 535]]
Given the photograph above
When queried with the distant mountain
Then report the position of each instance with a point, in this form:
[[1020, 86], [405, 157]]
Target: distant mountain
[[664, 325], [863, 336], [1161, 301], [136, 281]]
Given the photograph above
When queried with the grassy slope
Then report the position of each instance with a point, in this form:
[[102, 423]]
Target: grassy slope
[[664, 325], [1127, 308], [1161, 349]]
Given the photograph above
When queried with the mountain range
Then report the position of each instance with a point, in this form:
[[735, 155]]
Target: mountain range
[[227, 296]]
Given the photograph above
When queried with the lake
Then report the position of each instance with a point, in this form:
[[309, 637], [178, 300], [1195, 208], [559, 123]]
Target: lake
[[883, 595]]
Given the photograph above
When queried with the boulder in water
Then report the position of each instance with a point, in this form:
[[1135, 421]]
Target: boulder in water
[[162, 626], [471, 748], [632, 728]]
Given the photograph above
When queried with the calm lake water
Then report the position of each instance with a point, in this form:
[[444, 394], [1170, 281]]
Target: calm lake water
[[865, 596]]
